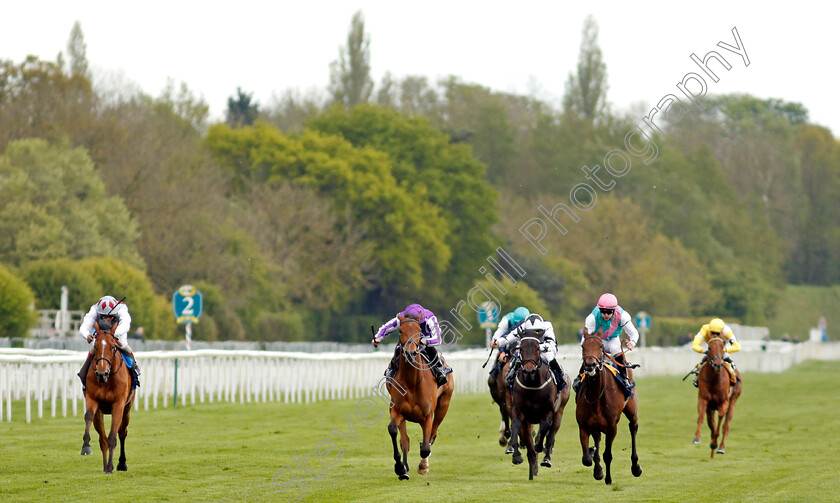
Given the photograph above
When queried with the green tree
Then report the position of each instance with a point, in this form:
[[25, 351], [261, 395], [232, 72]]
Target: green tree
[[53, 204], [46, 277], [77, 50], [241, 111], [16, 297], [435, 172], [359, 182], [586, 91], [38, 100], [817, 259], [350, 81]]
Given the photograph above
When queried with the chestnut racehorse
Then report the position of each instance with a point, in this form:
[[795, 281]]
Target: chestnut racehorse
[[415, 397], [108, 391], [714, 393], [600, 403]]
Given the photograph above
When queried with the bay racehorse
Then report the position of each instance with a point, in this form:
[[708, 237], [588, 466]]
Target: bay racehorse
[[714, 393], [108, 384], [499, 393], [415, 397], [534, 400], [600, 403]]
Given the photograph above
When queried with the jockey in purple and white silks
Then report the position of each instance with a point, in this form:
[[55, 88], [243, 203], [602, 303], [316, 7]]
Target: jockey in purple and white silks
[[612, 320], [430, 337]]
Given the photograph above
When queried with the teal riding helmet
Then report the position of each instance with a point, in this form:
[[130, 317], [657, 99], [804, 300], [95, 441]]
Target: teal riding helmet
[[520, 313]]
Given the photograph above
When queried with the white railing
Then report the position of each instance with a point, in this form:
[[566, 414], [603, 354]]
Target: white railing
[[48, 377]]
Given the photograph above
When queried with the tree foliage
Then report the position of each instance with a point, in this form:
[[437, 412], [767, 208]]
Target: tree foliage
[[53, 204], [350, 81], [16, 316], [240, 110]]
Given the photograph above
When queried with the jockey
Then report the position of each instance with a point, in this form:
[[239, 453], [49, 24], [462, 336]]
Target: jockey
[[430, 338], [548, 348], [717, 328], [108, 308], [611, 324], [509, 322]]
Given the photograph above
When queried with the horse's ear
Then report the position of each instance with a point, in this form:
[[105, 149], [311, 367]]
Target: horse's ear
[[401, 318]]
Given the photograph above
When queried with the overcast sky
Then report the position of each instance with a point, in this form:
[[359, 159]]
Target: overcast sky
[[269, 47]]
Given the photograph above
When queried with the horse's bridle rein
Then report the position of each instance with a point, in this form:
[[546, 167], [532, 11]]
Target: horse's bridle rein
[[110, 370]]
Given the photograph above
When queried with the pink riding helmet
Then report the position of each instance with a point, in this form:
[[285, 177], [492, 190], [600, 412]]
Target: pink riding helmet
[[607, 301]]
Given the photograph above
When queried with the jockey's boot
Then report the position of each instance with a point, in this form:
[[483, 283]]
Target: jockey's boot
[[555, 367], [494, 372], [436, 365], [391, 371], [622, 369], [576, 382], [83, 372], [730, 367]]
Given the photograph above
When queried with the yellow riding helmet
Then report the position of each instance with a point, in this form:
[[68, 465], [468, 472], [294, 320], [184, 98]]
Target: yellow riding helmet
[[716, 325]]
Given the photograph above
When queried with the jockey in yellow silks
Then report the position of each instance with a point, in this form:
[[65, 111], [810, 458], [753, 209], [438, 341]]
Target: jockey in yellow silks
[[717, 328]]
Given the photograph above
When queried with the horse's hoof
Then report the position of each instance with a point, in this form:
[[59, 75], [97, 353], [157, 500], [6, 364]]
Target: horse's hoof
[[712, 446], [538, 448], [502, 441], [86, 450], [509, 450], [109, 472], [598, 475], [608, 481], [404, 476], [423, 471], [517, 459], [546, 463], [720, 451], [122, 467], [586, 461], [696, 441], [637, 470]]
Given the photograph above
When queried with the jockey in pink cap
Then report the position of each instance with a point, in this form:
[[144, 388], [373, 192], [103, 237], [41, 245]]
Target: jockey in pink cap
[[611, 320]]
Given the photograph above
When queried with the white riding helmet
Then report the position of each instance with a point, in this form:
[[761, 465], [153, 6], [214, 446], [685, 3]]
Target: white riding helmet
[[106, 305], [533, 322]]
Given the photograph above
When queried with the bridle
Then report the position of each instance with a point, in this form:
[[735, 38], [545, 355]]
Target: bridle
[[411, 356], [715, 361], [597, 362], [105, 375], [597, 365], [537, 363]]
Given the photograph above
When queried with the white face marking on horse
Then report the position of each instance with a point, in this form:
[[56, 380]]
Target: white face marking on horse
[[103, 346]]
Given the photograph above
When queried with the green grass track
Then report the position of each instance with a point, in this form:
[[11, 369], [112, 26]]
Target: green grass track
[[782, 447]]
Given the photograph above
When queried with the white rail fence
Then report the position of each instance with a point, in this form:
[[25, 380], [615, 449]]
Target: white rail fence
[[48, 378]]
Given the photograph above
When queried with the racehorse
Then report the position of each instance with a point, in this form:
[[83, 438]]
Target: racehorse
[[108, 384], [499, 393], [415, 397], [600, 403], [713, 393], [534, 400]]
